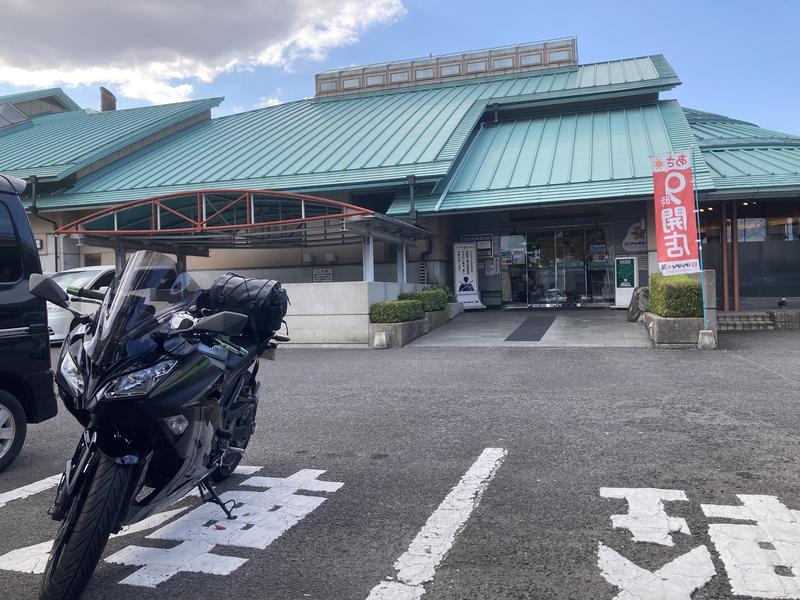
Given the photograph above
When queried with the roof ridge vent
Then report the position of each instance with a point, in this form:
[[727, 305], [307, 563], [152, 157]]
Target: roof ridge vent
[[449, 67]]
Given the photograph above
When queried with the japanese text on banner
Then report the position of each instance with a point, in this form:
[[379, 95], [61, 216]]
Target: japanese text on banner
[[675, 218]]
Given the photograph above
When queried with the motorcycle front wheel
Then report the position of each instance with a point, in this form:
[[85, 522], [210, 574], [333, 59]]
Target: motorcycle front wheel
[[85, 530]]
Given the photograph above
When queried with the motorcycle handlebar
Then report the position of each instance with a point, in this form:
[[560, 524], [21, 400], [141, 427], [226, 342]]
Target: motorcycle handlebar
[[90, 294]]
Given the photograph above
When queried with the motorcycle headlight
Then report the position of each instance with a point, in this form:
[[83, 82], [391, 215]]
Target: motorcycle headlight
[[71, 374], [140, 382]]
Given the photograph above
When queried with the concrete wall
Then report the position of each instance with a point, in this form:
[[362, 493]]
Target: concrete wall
[[327, 313]]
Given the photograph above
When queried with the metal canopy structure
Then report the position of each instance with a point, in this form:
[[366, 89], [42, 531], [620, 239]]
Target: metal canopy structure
[[191, 223]]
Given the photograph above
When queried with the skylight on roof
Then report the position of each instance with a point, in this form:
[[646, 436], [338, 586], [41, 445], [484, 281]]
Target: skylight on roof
[[10, 115]]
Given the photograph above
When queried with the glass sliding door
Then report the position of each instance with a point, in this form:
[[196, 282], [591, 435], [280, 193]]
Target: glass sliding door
[[570, 266]]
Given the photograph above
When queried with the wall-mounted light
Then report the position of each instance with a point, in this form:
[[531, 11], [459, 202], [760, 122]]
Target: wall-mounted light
[[745, 203], [710, 208]]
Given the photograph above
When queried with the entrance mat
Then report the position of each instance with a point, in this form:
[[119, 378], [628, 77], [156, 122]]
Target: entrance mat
[[532, 329]]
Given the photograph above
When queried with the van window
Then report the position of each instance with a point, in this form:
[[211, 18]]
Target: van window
[[10, 261], [103, 281]]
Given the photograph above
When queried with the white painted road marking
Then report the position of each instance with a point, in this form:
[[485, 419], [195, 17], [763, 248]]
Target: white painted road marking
[[674, 581], [417, 565], [762, 559], [646, 519], [33, 559], [262, 517], [29, 490]]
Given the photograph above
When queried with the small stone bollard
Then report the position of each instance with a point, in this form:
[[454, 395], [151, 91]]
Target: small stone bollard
[[706, 340], [381, 340]]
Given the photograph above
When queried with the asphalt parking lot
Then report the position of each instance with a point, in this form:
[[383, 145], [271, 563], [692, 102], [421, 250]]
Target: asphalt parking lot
[[575, 436]]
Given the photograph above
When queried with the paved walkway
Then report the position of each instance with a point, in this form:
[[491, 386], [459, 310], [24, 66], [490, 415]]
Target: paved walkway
[[586, 328]]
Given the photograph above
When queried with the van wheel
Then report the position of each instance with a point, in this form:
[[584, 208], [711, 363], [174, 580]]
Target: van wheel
[[13, 428]]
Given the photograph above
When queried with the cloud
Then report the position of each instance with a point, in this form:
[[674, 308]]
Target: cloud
[[266, 101], [154, 49]]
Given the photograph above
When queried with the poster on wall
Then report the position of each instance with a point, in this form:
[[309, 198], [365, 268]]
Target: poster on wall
[[635, 239], [484, 244], [465, 263], [676, 226]]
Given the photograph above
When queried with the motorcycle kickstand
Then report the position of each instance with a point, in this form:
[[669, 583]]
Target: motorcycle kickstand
[[206, 485]]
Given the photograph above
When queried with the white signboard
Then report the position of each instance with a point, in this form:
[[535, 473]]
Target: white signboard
[[322, 275], [626, 278], [465, 259]]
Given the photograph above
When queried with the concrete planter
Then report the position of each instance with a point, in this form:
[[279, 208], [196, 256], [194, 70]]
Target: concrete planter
[[435, 319], [673, 332], [454, 309], [398, 334]]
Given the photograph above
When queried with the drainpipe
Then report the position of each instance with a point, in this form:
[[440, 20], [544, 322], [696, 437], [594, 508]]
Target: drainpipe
[[35, 211], [412, 207]]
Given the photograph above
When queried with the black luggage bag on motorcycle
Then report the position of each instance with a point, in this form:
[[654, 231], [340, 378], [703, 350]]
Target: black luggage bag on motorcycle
[[264, 302]]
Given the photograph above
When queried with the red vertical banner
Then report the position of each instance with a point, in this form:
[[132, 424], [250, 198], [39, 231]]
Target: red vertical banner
[[676, 221]]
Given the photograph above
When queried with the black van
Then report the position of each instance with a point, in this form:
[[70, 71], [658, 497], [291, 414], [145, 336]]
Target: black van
[[26, 381]]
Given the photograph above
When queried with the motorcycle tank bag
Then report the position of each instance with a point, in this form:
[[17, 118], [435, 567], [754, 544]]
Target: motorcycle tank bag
[[264, 302]]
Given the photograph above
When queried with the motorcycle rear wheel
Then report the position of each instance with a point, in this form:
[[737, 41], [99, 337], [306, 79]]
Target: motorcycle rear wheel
[[84, 532]]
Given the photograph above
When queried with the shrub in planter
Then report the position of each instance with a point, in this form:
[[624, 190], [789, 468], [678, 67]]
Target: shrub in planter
[[451, 297], [396, 311], [432, 299], [675, 296]]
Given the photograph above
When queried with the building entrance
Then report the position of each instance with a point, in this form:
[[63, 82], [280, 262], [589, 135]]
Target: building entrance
[[557, 267]]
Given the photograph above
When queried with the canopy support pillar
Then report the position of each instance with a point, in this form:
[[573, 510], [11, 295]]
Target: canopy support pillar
[[723, 240], [181, 260], [368, 258], [402, 265], [120, 260], [735, 255]]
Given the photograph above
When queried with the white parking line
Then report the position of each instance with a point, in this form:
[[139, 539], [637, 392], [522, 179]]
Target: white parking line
[[29, 490], [417, 565]]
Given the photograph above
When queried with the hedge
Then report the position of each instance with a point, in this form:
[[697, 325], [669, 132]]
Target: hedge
[[451, 297], [432, 299], [675, 296], [396, 311]]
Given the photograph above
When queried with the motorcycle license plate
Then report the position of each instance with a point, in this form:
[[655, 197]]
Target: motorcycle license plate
[[269, 353]]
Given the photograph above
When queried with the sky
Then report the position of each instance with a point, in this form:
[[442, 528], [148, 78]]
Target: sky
[[734, 57]]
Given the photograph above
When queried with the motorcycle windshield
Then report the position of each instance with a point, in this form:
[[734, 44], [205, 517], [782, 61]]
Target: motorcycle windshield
[[150, 290]]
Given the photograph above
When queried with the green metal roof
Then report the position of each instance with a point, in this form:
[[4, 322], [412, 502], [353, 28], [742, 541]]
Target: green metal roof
[[565, 157], [59, 144], [743, 155], [57, 93], [349, 140]]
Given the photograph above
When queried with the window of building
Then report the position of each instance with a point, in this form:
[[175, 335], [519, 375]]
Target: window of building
[[503, 63], [349, 84], [399, 76], [448, 70], [327, 86], [558, 55], [376, 79], [423, 74], [476, 67], [531, 59], [10, 260], [91, 260]]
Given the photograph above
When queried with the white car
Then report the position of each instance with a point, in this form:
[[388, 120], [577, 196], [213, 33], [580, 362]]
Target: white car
[[90, 278]]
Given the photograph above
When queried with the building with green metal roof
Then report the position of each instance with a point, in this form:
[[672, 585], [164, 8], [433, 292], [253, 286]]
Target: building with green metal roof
[[544, 162]]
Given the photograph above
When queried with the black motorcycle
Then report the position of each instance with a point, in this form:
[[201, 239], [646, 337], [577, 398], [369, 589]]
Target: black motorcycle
[[163, 379]]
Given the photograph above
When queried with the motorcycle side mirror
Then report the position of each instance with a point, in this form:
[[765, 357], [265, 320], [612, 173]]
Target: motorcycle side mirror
[[229, 323], [45, 288]]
